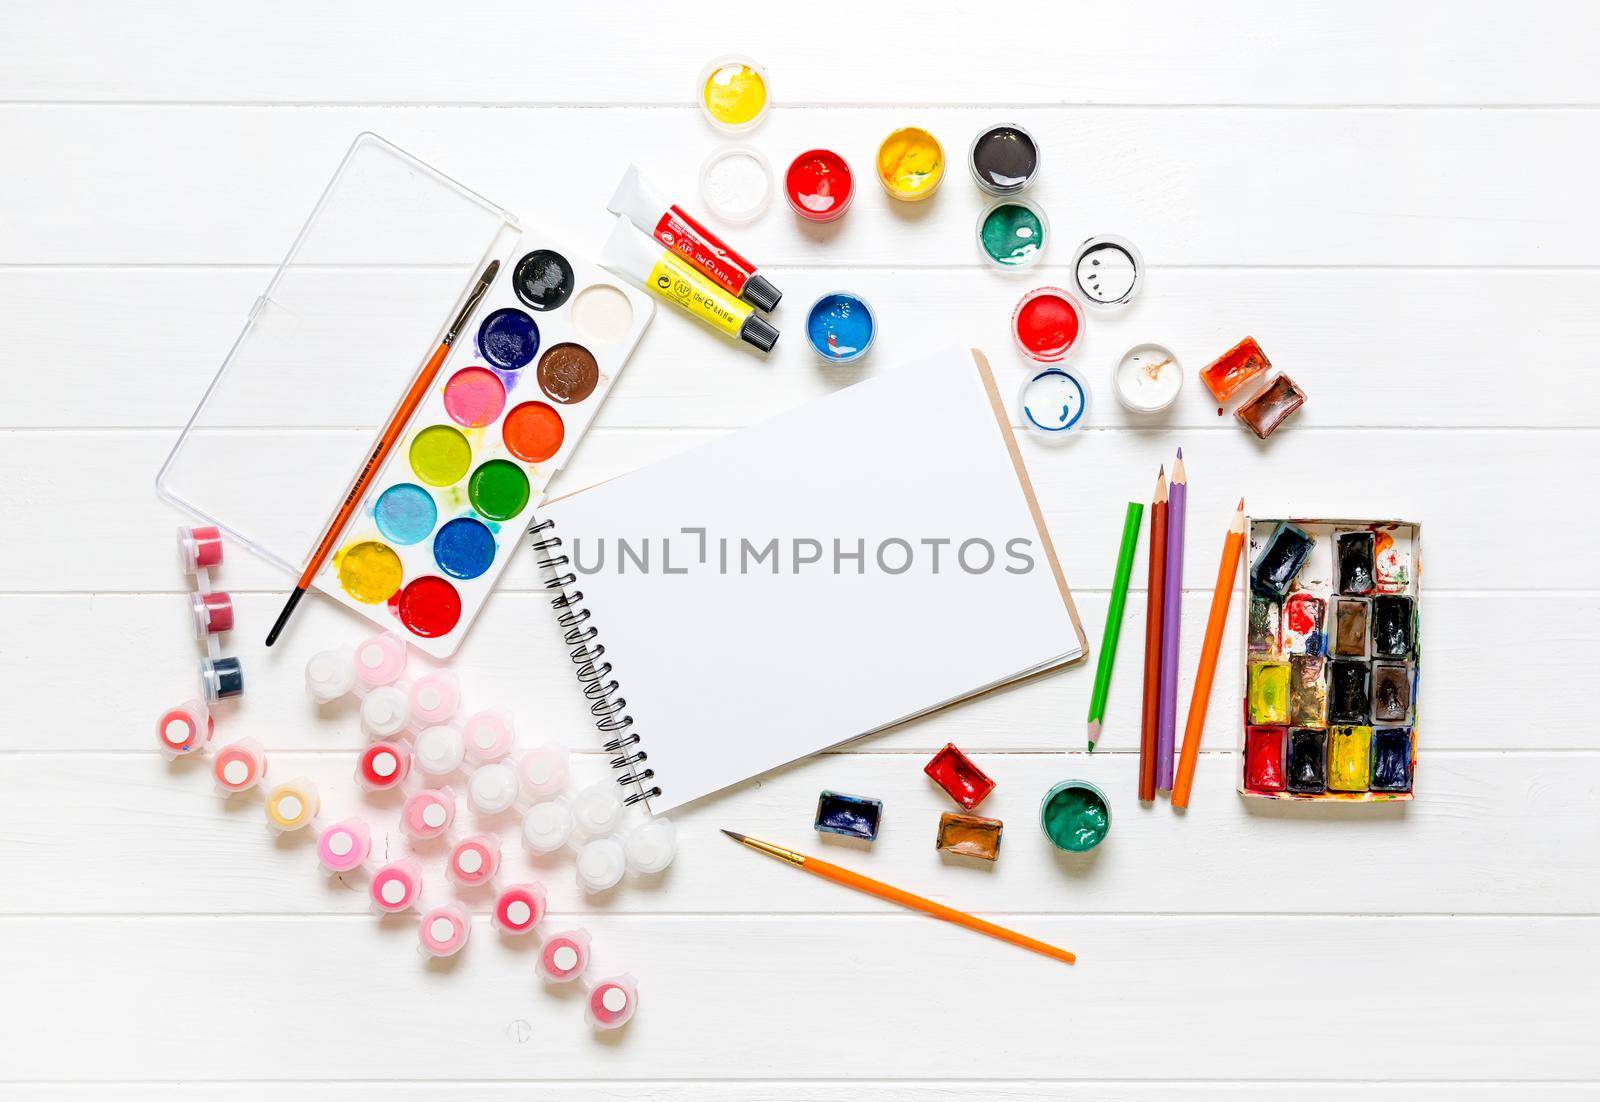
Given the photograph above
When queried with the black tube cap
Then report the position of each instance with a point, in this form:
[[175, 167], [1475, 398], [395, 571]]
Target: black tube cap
[[760, 332], [761, 294]]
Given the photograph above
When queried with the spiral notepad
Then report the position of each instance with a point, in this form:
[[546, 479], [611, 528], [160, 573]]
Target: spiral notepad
[[865, 559]]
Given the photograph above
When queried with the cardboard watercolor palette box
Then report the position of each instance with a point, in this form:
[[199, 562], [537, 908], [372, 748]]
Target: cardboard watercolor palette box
[[1332, 655]]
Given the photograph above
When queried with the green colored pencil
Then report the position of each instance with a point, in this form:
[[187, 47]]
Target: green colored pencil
[[1119, 598]]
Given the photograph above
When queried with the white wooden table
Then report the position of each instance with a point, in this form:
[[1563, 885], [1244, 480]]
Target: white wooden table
[[1397, 200]]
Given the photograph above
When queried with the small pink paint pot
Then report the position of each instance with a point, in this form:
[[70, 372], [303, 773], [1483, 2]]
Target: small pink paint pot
[[435, 697], [543, 772], [428, 813], [212, 612], [519, 908], [239, 766], [344, 846], [383, 765], [380, 660], [489, 736], [396, 887], [612, 1002], [444, 930], [184, 729], [564, 956], [199, 548], [474, 861]]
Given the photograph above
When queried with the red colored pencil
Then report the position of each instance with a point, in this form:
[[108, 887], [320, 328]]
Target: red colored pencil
[[1155, 591]]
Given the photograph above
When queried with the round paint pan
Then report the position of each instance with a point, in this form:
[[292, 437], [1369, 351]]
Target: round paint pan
[[841, 327], [1075, 815], [1108, 272], [543, 280], [602, 314], [736, 183], [734, 94], [1054, 404], [819, 185], [1003, 159], [1148, 378], [910, 164], [1012, 234], [1047, 324]]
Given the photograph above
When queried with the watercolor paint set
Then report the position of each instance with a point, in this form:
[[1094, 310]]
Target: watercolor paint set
[[385, 262], [1333, 652]]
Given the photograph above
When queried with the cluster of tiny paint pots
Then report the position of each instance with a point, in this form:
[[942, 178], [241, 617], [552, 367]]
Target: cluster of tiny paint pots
[[414, 734]]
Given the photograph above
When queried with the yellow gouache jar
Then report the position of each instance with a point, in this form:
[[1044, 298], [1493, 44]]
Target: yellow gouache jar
[[910, 164], [733, 94]]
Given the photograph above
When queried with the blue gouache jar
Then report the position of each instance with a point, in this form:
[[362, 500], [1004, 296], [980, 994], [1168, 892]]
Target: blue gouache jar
[[841, 327]]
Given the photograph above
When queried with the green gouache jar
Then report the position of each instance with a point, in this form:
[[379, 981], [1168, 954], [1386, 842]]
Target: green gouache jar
[[1012, 233], [1075, 815]]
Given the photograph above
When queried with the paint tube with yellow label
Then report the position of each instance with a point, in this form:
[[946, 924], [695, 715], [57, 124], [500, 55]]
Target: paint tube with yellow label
[[666, 275]]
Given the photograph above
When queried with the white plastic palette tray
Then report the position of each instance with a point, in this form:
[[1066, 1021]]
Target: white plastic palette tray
[[362, 300]]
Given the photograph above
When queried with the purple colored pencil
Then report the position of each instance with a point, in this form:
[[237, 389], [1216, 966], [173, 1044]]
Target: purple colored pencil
[[1167, 716]]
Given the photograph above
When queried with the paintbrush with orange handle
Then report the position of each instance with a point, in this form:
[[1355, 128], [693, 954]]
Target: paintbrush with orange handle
[[386, 442], [878, 888], [1195, 725]]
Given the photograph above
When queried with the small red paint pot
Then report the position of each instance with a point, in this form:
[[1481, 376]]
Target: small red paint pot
[[819, 185], [199, 547], [383, 765], [1047, 324], [212, 612]]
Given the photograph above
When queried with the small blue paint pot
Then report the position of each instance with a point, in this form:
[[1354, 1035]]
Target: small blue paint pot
[[841, 327]]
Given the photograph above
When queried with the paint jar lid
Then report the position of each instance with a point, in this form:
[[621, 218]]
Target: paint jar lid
[[736, 184], [1012, 233], [1054, 404], [830, 318], [1148, 378], [1108, 272], [1003, 159], [734, 93]]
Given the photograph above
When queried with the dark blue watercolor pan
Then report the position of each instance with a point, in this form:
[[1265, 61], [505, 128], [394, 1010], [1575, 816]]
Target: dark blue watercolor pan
[[851, 816]]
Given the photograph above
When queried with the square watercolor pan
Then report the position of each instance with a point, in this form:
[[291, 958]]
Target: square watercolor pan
[[1295, 731], [520, 387]]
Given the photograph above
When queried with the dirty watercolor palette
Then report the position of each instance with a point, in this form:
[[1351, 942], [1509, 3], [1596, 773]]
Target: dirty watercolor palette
[[1332, 653], [519, 389]]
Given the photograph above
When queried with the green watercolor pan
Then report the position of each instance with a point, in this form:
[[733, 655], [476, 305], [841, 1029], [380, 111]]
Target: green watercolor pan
[[378, 271], [1332, 659]]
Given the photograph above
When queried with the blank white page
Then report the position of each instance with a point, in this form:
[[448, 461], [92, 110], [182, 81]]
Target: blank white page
[[731, 670]]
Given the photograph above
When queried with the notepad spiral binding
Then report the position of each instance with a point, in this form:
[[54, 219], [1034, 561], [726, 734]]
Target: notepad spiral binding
[[593, 674]]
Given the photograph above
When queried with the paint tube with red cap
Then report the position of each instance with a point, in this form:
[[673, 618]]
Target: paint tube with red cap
[[675, 228]]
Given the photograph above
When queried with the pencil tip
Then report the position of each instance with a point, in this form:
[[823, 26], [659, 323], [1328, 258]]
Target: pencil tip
[[1241, 505], [1180, 453]]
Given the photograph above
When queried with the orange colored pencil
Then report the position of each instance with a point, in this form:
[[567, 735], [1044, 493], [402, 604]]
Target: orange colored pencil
[[818, 867], [386, 442], [1154, 591], [1194, 726]]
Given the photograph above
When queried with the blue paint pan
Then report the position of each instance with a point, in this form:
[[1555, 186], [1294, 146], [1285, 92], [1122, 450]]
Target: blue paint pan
[[851, 816]]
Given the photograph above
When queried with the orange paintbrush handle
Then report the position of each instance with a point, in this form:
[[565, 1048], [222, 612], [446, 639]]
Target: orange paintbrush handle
[[391, 433], [1196, 721], [927, 906]]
